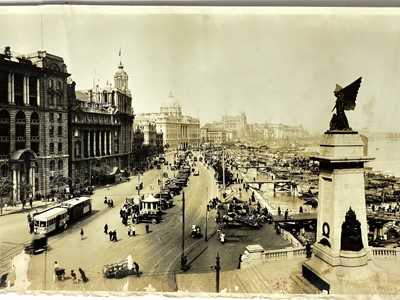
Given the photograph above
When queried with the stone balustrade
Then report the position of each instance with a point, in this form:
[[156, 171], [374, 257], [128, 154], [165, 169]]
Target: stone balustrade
[[258, 255]]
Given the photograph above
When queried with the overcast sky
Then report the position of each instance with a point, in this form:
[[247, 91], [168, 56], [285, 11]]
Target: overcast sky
[[276, 65]]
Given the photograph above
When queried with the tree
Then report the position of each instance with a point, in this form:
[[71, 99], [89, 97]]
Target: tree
[[6, 187]]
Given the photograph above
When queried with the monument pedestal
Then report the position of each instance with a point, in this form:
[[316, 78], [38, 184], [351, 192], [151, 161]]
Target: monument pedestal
[[342, 258]]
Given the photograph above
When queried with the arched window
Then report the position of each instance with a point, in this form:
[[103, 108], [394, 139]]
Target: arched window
[[4, 171], [52, 165], [60, 165]]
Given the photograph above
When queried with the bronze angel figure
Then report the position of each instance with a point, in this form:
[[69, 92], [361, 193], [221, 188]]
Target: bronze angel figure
[[345, 100]]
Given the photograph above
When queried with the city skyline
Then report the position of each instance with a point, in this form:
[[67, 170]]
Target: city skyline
[[275, 65]]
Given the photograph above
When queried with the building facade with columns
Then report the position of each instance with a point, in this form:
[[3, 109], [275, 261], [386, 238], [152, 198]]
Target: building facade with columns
[[179, 131], [100, 124], [33, 122]]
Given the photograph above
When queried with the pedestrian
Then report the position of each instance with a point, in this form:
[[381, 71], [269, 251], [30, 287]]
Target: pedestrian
[[30, 201], [240, 261], [110, 234], [82, 233], [23, 203], [129, 231], [136, 268], [147, 228], [308, 250], [73, 275], [133, 230], [300, 209], [115, 236], [31, 227], [286, 214], [105, 200], [83, 276], [106, 228], [279, 210]]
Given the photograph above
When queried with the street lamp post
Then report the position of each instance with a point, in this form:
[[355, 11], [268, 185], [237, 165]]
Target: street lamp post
[[205, 233], [183, 258], [138, 184]]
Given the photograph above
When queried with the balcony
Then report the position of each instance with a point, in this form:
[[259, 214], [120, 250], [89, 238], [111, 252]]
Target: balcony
[[34, 121], [35, 138], [20, 138], [20, 121], [5, 120], [4, 138]]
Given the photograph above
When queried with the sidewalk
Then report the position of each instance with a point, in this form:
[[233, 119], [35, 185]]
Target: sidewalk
[[36, 205]]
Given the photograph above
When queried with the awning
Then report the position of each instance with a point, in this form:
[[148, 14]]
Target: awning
[[114, 170]]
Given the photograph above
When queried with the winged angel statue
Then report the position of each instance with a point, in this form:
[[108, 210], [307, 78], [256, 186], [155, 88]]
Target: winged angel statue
[[345, 100]]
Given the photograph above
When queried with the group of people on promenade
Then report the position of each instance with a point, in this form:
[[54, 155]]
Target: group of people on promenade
[[59, 274]]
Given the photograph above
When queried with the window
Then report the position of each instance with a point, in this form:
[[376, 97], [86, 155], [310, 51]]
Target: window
[[52, 165], [59, 147], [60, 165], [59, 130], [76, 132], [51, 83], [59, 85], [51, 117], [51, 147], [51, 131]]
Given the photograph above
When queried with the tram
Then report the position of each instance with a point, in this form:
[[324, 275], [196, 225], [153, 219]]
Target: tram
[[50, 220], [77, 208], [61, 215]]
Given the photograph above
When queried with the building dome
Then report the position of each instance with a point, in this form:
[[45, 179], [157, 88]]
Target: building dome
[[121, 78], [171, 107]]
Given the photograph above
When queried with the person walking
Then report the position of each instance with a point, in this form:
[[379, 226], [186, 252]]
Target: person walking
[[83, 276], [147, 228], [136, 268], [111, 235], [286, 214], [30, 201], [133, 230], [73, 275], [105, 229], [308, 250], [115, 236], [82, 233]]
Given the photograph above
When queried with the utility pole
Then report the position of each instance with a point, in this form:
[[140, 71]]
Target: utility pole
[[217, 268], [205, 233], [183, 258], [138, 184], [223, 170]]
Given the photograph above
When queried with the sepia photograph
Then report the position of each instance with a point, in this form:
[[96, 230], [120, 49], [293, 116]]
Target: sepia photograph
[[199, 151]]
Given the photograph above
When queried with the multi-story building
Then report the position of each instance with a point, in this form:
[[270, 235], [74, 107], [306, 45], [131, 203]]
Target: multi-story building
[[213, 135], [236, 124], [100, 123], [281, 131], [151, 137], [33, 122], [179, 131]]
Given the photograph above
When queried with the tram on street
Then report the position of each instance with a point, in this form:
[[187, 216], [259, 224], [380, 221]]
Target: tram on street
[[58, 216], [77, 208], [50, 220]]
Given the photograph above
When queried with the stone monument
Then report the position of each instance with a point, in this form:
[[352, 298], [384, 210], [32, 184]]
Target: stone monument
[[342, 259]]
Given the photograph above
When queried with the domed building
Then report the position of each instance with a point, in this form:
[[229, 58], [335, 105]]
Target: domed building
[[101, 121], [179, 131]]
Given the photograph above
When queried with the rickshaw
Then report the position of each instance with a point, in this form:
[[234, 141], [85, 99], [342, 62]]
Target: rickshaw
[[37, 245]]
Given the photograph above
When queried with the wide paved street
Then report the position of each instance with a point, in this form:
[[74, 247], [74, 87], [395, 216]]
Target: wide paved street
[[158, 253]]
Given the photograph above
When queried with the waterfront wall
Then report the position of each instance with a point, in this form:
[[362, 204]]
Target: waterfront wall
[[300, 252]]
